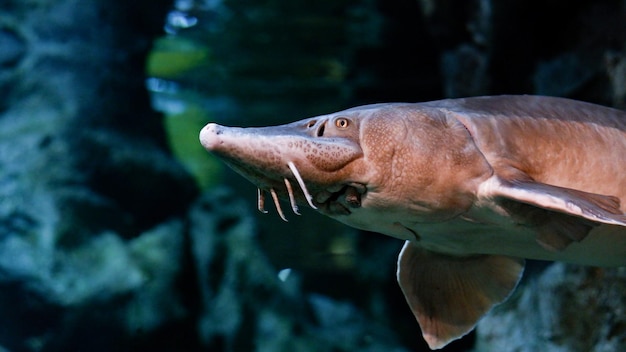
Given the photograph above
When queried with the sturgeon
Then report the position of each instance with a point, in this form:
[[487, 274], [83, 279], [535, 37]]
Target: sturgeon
[[473, 186]]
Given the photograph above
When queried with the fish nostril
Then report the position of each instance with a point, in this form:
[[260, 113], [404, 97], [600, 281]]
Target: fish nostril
[[311, 124], [320, 130]]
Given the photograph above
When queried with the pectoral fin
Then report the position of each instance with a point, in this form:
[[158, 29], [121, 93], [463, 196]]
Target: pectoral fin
[[560, 215], [448, 295]]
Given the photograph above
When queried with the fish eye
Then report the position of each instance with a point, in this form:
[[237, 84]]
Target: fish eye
[[342, 122]]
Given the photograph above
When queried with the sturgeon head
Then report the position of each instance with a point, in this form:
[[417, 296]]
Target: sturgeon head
[[361, 161], [279, 157]]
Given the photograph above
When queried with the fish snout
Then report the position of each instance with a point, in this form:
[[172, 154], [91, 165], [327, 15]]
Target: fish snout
[[210, 136]]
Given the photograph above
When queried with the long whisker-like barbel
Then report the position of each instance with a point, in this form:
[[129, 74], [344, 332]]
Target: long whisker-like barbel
[[292, 197], [296, 174], [261, 200], [277, 203]]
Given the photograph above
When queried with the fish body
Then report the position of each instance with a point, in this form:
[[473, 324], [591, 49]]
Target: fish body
[[472, 185]]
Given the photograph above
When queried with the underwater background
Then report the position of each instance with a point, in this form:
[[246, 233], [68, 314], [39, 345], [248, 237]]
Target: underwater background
[[118, 232]]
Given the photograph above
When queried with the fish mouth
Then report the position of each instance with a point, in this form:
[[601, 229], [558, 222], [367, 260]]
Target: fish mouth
[[333, 201], [340, 200]]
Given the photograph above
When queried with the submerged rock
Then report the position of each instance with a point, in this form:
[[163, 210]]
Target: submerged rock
[[566, 308], [246, 305]]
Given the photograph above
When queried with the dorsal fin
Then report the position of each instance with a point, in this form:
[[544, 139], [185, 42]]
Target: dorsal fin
[[448, 295]]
